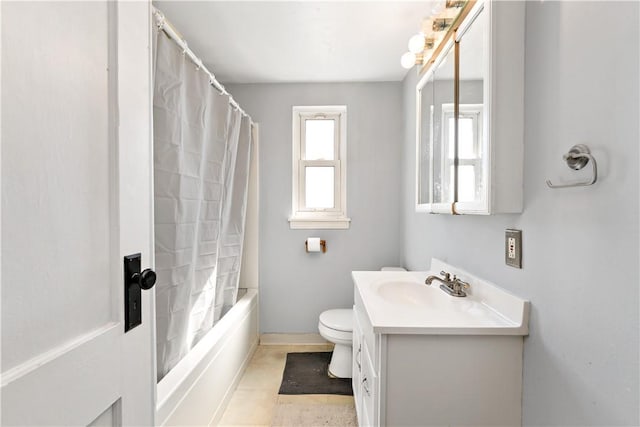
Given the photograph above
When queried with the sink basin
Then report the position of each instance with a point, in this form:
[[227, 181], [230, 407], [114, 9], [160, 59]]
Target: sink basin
[[398, 302], [404, 292]]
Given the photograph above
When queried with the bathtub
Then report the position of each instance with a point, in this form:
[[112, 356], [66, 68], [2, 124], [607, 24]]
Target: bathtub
[[197, 390]]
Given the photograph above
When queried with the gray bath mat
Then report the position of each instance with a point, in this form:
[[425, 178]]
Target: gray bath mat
[[306, 373]]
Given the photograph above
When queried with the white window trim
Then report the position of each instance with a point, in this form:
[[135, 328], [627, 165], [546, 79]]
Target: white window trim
[[473, 111], [335, 218]]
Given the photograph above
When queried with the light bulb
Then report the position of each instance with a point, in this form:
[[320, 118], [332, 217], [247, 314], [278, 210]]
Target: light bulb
[[416, 43], [408, 60], [438, 7]]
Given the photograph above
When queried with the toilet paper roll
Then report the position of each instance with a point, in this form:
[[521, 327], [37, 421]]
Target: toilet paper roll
[[313, 244]]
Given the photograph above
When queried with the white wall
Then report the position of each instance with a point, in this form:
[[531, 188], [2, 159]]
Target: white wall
[[295, 287], [250, 267], [580, 245]]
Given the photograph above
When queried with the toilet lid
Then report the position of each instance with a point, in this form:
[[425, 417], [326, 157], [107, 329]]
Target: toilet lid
[[340, 319]]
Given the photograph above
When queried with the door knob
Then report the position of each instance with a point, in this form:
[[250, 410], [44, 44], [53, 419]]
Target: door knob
[[134, 281], [145, 280]]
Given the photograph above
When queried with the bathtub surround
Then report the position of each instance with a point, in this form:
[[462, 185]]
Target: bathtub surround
[[198, 389], [581, 358], [294, 286]]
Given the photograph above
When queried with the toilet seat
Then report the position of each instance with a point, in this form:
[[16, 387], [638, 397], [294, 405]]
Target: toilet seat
[[340, 319], [335, 336]]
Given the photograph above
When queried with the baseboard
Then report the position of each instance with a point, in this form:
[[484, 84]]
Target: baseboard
[[292, 339]]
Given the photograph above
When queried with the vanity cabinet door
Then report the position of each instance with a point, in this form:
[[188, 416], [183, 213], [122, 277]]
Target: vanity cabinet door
[[490, 142], [365, 377], [356, 376], [369, 387], [473, 161]]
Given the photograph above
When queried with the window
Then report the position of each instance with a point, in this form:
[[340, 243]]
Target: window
[[319, 194], [469, 159]]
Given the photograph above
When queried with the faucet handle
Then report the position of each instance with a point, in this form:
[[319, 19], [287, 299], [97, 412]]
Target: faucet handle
[[459, 284], [446, 275]]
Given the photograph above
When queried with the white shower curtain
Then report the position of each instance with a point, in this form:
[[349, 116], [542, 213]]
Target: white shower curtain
[[201, 163]]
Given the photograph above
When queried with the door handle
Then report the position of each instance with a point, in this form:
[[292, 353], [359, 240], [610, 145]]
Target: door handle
[[134, 281], [145, 280]]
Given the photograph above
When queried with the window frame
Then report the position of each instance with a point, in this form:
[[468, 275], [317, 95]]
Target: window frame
[[467, 111], [303, 217]]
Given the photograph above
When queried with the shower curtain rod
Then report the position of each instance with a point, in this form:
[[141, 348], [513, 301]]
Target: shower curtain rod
[[164, 25]]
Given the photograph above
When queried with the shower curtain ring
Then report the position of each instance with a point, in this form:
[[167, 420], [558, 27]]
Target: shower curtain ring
[[160, 20]]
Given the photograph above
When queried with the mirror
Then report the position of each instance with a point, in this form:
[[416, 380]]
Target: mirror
[[470, 116], [435, 133], [424, 129], [472, 167], [443, 129], [452, 164]]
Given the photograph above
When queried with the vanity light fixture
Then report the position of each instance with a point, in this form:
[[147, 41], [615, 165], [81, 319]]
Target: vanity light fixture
[[419, 43], [408, 60], [455, 3], [416, 43], [434, 28]]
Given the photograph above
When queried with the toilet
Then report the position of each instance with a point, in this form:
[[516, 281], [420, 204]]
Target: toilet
[[336, 326]]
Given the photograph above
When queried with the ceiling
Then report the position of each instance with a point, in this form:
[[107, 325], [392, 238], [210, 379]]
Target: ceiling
[[298, 41]]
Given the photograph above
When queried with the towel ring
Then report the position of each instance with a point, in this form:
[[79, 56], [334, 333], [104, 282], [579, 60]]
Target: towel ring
[[577, 158]]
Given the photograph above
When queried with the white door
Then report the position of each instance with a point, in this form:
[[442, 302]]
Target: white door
[[76, 198]]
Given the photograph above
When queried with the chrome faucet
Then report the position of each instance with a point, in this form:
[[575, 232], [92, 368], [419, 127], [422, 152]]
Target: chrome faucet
[[445, 281], [453, 286]]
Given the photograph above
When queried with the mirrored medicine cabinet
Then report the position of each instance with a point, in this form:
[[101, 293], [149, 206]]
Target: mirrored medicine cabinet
[[469, 144]]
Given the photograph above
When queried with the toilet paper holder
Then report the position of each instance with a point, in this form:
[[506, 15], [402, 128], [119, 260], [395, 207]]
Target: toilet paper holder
[[577, 158], [323, 245]]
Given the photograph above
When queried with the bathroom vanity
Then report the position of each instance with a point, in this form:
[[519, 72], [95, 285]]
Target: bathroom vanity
[[423, 357]]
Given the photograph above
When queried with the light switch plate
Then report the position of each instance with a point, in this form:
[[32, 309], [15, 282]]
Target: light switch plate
[[513, 248]]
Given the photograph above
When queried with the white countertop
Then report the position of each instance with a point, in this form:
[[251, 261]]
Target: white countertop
[[398, 302]]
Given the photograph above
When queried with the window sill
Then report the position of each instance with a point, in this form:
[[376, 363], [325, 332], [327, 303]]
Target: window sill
[[340, 223]]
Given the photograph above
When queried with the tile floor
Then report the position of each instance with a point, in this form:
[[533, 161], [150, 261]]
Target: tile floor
[[254, 401]]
